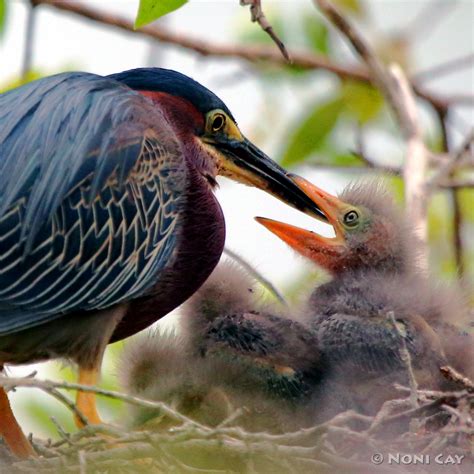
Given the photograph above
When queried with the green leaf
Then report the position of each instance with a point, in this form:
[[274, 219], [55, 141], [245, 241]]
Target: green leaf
[[317, 34], [362, 101], [151, 10], [312, 132], [3, 15], [345, 159]]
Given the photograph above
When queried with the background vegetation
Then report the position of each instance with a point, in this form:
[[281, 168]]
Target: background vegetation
[[324, 121]]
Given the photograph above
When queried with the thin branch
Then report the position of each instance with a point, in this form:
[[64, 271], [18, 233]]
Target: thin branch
[[49, 386], [429, 16], [303, 59], [458, 183], [448, 67], [416, 163], [406, 358], [68, 404], [399, 95], [379, 74], [258, 16], [29, 42], [257, 275], [448, 167], [457, 231], [338, 444], [452, 374]]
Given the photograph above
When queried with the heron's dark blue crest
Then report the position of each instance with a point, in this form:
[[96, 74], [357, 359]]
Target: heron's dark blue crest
[[174, 83]]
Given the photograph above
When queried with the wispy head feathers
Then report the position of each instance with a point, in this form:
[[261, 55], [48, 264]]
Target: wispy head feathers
[[389, 242], [229, 290], [373, 194]]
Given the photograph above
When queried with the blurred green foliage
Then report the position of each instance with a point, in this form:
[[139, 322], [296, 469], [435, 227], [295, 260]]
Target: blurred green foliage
[[3, 15], [312, 131], [353, 100], [325, 121], [151, 10]]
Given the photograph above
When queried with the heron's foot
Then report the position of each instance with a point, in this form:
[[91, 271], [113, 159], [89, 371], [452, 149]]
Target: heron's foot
[[11, 431]]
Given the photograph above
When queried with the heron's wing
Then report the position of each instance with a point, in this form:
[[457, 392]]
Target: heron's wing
[[278, 351], [251, 333], [369, 345], [90, 183]]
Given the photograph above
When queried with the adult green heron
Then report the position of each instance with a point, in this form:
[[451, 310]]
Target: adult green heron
[[107, 216], [372, 259]]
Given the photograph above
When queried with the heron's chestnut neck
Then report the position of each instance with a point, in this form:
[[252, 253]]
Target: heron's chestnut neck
[[188, 124], [185, 119]]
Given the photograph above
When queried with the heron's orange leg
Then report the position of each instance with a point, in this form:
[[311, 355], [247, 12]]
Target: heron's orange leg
[[10, 430], [86, 401]]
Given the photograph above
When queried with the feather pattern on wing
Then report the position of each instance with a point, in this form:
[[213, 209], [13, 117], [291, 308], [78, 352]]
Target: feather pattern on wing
[[90, 189]]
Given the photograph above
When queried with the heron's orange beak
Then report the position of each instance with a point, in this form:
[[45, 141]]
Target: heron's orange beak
[[318, 248]]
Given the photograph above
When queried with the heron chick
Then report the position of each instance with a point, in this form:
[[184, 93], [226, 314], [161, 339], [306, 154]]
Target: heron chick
[[377, 302], [234, 352]]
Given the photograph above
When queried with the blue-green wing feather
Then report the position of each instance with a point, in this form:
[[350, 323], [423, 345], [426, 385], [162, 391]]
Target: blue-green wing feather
[[90, 181]]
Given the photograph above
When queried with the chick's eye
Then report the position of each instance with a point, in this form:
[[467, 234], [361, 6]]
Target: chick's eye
[[351, 218], [218, 122]]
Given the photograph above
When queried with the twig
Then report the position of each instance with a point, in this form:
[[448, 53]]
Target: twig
[[379, 74], [333, 445], [458, 183], [416, 162], [82, 462], [445, 170], [397, 91], [457, 231], [406, 358], [452, 374], [448, 67], [29, 42], [68, 403], [303, 59], [257, 15], [454, 196], [49, 385], [427, 18], [256, 274]]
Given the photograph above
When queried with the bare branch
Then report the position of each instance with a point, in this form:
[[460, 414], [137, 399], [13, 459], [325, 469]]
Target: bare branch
[[379, 74], [397, 91], [257, 15], [429, 16], [448, 167], [340, 443], [460, 183], [416, 163], [29, 43], [302, 59], [452, 374], [50, 386], [406, 358], [448, 67]]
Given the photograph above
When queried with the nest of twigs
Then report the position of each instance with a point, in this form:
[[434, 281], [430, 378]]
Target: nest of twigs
[[422, 431]]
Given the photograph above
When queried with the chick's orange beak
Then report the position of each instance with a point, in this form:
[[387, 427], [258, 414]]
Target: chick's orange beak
[[307, 243]]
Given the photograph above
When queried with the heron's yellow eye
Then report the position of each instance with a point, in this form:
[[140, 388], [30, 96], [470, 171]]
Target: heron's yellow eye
[[351, 219], [218, 122]]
